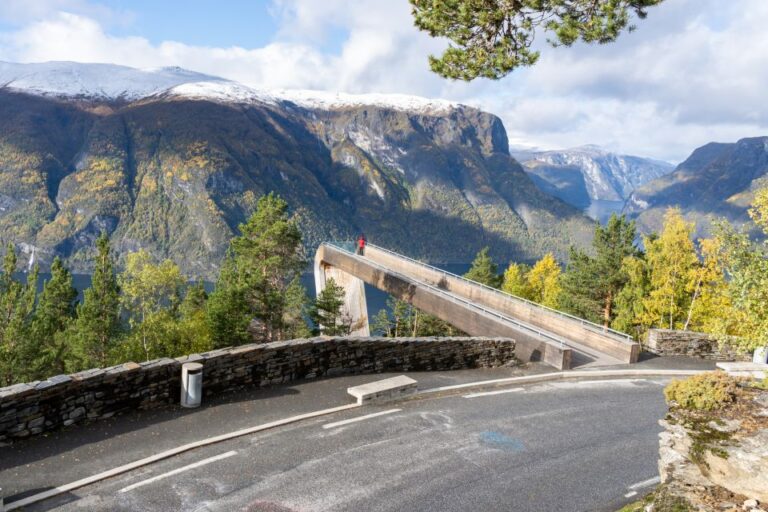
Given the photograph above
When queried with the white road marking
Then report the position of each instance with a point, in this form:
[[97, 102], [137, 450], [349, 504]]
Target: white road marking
[[645, 483], [564, 375], [608, 381], [61, 489], [359, 418], [528, 379], [630, 494], [489, 393], [179, 470]]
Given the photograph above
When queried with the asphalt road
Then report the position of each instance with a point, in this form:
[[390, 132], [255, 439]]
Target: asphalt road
[[565, 446]]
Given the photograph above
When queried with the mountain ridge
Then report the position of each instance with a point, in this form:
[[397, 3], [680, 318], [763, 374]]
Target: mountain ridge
[[717, 180], [111, 82], [589, 177], [175, 172]]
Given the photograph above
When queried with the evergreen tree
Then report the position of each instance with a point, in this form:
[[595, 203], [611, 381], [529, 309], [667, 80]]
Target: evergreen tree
[[194, 301], [17, 302], [430, 325], [10, 291], [516, 281], [97, 329], [261, 265], [47, 348], [484, 270], [381, 324], [491, 38], [295, 311], [327, 311], [592, 284], [544, 281], [227, 311]]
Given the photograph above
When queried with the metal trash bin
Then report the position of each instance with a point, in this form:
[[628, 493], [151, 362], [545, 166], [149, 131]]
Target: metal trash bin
[[191, 384]]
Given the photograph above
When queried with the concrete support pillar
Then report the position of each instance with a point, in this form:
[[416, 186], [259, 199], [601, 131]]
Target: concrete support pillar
[[355, 306]]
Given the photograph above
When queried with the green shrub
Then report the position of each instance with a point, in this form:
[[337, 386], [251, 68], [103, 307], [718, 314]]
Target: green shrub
[[761, 383], [703, 392]]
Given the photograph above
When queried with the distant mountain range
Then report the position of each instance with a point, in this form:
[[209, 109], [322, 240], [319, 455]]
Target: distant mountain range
[[594, 180], [172, 161], [718, 180]]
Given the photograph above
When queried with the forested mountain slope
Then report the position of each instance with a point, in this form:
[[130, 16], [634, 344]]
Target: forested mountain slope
[[176, 165], [718, 180]]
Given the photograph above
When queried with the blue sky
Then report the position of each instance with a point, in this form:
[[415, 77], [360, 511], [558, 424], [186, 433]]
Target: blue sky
[[247, 24], [695, 71], [199, 22]]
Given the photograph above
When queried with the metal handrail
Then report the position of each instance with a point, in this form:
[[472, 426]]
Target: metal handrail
[[453, 297], [585, 323]]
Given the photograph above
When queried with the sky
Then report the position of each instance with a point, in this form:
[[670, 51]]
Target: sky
[[693, 72]]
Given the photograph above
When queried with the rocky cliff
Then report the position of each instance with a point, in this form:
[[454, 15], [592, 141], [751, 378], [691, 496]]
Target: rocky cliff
[[716, 462], [174, 165], [591, 178]]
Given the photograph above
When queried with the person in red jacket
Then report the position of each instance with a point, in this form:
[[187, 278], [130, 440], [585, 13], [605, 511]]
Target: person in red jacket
[[361, 241]]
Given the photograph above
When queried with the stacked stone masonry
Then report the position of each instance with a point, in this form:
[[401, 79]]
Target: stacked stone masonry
[[36, 407], [666, 342]]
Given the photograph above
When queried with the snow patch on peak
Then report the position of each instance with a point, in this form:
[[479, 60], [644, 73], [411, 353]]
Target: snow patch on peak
[[113, 82], [222, 91], [233, 92], [337, 101], [98, 81]]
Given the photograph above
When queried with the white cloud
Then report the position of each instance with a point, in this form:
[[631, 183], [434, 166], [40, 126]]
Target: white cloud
[[694, 71]]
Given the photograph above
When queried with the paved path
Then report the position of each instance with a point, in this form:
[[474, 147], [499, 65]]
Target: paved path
[[29, 466], [37, 464], [565, 446]]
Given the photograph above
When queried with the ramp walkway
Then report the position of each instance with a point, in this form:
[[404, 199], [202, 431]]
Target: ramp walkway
[[542, 334]]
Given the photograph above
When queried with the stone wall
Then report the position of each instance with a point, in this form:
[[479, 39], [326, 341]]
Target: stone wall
[[666, 342], [36, 407]]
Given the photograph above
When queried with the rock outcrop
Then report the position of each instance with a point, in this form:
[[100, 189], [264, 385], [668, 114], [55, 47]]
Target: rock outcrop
[[718, 463]]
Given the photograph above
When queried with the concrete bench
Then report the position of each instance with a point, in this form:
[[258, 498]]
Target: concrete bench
[[383, 390], [757, 370]]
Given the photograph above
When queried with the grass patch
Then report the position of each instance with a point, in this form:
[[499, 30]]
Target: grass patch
[[661, 500]]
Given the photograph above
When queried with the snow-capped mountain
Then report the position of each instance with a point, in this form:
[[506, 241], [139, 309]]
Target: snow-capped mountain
[[109, 82], [96, 81], [589, 177], [173, 161]]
